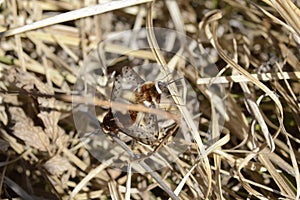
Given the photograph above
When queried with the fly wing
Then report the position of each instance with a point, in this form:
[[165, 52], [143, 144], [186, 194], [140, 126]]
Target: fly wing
[[123, 92], [126, 82], [131, 76], [144, 127]]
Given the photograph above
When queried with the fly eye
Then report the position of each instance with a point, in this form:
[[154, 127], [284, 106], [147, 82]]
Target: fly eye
[[161, 84]]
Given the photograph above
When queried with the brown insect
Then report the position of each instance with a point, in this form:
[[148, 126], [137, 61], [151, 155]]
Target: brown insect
[[129, 87]]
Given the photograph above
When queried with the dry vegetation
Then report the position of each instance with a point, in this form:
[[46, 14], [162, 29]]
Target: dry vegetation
[[255, 156]]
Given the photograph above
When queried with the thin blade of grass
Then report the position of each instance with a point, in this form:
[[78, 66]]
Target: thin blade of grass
[[73, 15]]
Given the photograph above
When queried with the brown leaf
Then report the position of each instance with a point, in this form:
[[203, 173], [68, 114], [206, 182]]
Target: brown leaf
[[21, 79], [58, 165], [24, 129], [52, 130], [27, 81]]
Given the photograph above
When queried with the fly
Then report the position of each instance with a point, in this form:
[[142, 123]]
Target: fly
[[129, 87]]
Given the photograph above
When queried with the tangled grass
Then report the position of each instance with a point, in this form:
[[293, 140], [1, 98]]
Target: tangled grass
[[255, 46]]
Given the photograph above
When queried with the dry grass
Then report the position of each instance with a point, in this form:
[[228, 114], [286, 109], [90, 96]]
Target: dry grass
[[256, 154]]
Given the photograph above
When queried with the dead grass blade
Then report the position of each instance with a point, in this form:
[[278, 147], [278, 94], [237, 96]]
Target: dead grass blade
[[286, 10], [295, 167], [176, 15], [3, 173], [183, 181], [223, 55], [254, 48], [73, 15], [18, 189], [128, 182], [172, 88], [241, 78], [289, 12], [90, 176], [280, 181]]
